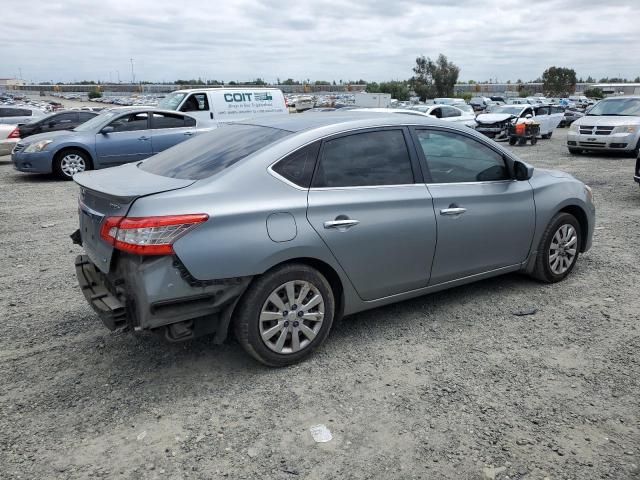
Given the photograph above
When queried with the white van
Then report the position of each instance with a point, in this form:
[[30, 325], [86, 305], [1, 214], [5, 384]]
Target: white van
[[211, 106]]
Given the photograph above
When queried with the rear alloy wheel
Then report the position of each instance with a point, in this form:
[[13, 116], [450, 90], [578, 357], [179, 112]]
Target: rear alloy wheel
[[285, 315], [70, 162], [559, 249]]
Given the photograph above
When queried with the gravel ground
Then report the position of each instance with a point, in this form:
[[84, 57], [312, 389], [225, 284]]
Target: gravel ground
[[447, 386]]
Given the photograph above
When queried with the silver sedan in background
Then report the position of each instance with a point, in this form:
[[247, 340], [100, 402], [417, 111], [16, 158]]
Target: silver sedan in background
[[277, 227]]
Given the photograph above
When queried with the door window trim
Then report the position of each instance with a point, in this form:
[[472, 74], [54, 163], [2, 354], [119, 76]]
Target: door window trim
[[507, 159]]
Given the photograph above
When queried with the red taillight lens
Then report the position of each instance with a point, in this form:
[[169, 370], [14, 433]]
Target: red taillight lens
[[148, 235], [15, 133]]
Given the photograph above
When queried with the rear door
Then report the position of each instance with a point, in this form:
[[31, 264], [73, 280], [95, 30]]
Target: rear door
[[370, 206], [485, 219], [130, 140], [555, 116], [169, 129]]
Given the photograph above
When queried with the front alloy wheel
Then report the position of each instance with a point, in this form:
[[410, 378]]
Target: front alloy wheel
[[563, 249], [71, 164]]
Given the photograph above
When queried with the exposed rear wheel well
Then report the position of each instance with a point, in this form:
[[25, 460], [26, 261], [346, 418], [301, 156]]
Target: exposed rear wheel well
[[581, 216]]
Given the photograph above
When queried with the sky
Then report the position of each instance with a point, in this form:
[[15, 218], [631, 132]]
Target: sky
[[501, 40]]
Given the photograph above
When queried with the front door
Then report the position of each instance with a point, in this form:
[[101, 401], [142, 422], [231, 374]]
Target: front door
[[543, 118], [129, 141], [369, 206], [197, 105], [485, 219]]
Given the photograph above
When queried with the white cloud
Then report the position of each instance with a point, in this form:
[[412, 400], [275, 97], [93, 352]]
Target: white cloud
[[349, 39]]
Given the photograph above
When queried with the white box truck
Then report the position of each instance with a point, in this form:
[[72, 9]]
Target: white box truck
[[375, 100]]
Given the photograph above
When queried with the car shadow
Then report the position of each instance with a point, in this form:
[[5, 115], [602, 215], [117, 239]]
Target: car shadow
[[19, 177]]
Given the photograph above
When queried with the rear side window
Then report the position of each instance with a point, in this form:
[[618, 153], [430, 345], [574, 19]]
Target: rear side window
[[298, 166], [365, 159], [209, 153], [131, 122], [84, 116], [167, 120]]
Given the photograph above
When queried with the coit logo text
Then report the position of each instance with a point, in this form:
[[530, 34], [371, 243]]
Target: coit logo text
[[237, 97]]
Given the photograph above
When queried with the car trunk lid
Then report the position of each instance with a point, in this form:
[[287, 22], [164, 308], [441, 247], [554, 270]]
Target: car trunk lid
[[110, 193]]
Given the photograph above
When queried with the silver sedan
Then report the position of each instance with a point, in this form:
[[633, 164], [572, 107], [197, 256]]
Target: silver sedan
[[278, 227]]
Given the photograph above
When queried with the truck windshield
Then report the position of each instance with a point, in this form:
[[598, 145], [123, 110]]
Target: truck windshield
[[171, 101], [617, 107], [209, 153]]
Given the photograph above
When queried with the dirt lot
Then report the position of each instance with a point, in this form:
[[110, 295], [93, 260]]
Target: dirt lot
[[448, 386]]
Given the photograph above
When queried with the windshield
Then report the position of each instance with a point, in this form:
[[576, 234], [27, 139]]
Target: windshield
[[96, 121], [509, 110], [617, 107], [209, 153], [171, 101]]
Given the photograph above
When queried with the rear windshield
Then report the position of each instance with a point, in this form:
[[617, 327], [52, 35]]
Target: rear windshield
[[209, 153]]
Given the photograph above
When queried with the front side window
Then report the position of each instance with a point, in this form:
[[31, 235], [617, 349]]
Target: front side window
[[298, 166], [131, 122], [450, 112], [454, 158], [542, 111], [197, 102], [365, 159]]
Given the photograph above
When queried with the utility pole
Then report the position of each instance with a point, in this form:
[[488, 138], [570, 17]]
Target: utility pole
[[20, 70], [118, 73], [133, 75]]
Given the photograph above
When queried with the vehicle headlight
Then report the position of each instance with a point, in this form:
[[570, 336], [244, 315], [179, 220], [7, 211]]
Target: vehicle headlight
[[574, 127], [589, 193], [626, 129], [37, 146]]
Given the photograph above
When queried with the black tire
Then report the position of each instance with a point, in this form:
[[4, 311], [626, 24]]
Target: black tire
[[542, 270], [575, 151], [534, 140], [512, 140], [522, 141], [635, 153], [60, 171], [247, 316], [549, 135]]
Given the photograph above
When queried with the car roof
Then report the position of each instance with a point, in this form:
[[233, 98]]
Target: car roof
[[222, 89], [298, 122]]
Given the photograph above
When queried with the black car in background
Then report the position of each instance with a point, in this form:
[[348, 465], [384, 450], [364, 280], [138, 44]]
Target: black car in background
[[65, 120]]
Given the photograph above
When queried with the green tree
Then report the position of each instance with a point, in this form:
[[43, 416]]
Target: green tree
[[398, 90], [590, 79], [434, 78], [593, 93], [290, 81], [321, 82], [559, 81]]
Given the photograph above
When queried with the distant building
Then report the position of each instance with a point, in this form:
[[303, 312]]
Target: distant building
[[618, 88], [11, 82]]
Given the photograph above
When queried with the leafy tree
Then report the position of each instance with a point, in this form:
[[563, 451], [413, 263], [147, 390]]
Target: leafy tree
[[434, 78], [593, 93], [95, 93], [322, 82], [290, 81], [636, 80], [398, 90], [559, 81], [373, 87], [590, 79]]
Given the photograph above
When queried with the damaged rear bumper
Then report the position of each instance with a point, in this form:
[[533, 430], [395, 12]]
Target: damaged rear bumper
[[153, 293]]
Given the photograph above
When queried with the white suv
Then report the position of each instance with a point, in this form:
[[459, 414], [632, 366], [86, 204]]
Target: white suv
[[613, 124]]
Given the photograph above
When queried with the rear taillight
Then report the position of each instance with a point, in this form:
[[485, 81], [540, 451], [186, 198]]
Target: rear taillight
[[148, 235], [15, 133]]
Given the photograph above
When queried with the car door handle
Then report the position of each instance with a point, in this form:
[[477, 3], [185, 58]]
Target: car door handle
[[188, 134], [453, 211], [341, 224], [143, 138]]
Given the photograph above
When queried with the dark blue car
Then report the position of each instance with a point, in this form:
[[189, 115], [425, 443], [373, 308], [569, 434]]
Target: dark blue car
[[115, 137]]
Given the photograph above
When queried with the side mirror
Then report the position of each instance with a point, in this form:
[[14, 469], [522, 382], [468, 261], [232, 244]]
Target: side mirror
[[522, 171], [106, 130]]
